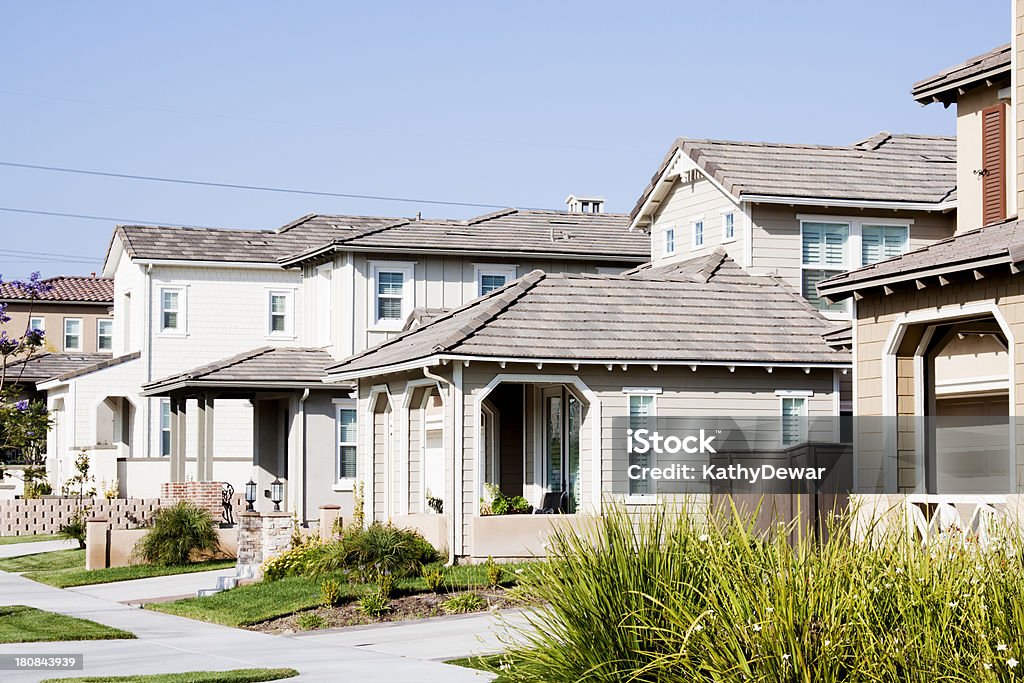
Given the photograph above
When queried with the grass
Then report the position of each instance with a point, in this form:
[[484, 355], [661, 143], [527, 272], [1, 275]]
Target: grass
[[489, 663], [248, 605], [234, 676], [78, 576], [56, 560], [9, 540], [20, 624]]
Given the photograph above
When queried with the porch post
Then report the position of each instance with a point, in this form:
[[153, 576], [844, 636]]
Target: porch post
[[204, 438], [178, 439]]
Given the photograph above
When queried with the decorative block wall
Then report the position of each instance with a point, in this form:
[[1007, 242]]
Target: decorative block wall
[[46, 515]]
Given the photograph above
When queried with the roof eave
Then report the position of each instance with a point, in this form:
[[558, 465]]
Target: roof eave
[[844, 290], [168, 387], [948, 92], [942, 206]]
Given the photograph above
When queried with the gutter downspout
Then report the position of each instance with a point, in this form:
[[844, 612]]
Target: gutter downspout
[[300, 477], [149, 354], [454, 453]]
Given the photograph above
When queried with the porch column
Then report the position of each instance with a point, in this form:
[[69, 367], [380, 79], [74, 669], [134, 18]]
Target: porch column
[[178, 428], [204, 438]]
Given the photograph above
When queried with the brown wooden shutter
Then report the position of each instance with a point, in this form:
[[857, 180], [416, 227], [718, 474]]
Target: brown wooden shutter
[[993, 163]]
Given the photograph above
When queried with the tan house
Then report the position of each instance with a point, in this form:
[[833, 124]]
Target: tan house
[[75, 314]]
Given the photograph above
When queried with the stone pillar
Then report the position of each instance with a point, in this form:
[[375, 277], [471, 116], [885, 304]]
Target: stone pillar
[[329, 514], [261, 536], [97, 543]]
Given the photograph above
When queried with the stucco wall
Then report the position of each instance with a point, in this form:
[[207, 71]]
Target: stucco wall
[[53, 315], [968, 151]]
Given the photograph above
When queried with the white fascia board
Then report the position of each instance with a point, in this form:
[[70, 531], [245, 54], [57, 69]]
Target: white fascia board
[[247, 265], [672, 168], [850, 203]]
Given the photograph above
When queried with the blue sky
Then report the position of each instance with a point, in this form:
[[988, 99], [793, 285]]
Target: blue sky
[[511, 104]]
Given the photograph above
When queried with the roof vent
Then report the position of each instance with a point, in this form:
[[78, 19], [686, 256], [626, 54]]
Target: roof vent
[[585, 204]]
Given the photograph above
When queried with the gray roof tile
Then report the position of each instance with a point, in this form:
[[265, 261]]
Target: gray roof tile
[[265, 366], [43, 366], [944, 86]]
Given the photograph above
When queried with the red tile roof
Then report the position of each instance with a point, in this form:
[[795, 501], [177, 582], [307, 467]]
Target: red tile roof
[[67, 288]]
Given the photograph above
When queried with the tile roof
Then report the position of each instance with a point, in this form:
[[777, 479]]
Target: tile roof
[[266, 366], [108, 362], [945, 85], [999, 243], [43, 366], [509, 231], [898, 169], [67, 289], [624, 318]]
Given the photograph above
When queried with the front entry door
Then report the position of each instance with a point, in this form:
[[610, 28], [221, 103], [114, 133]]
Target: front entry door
[[563, 414]]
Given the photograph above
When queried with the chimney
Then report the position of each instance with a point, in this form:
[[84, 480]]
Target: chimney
[[581, 204]]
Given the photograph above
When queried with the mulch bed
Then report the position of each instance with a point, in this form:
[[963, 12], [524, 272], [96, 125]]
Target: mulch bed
[[403, 607]]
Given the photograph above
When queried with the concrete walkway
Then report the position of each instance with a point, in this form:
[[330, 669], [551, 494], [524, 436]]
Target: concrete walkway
[[155, 588], [438, 639], [169, 644], [34, 547]]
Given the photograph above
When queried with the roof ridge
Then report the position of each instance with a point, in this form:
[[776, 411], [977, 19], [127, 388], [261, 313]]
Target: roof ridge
[[197, 372], [491, 216], [296, 222]]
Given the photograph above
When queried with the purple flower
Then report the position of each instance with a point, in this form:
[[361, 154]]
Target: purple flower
[[22, 405]]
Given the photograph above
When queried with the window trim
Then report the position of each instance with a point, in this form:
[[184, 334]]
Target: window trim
[[289, 315], [729, 212], [182, 329], [344, 483], [792, 394], [650, 498], [508, 270], [881, 224], [99, 325], [41, 318], [81, 335], [408, 271], [703, 233], [670, 230]]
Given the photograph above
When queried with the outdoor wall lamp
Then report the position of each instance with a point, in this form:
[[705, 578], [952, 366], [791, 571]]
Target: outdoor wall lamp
[[276, 493], [250, 495]]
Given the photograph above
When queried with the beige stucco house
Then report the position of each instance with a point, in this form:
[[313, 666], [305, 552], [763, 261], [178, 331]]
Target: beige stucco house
[[75, 313]]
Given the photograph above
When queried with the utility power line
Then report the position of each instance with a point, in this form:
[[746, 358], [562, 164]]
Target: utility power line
[[106, 219], [240, 186]]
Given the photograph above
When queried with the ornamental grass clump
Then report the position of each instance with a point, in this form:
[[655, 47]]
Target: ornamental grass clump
[[675, 597], [177, 533], [380, 549]]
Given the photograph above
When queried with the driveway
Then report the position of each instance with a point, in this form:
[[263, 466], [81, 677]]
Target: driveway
[[169, 644]]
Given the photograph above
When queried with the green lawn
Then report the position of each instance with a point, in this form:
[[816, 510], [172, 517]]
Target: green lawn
[[491, 663], [235, 676], [20, 624], [8, 540], [45, 562], [247, 605]]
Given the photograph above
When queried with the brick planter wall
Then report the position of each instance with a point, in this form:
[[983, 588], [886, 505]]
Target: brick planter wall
[[206, 494]]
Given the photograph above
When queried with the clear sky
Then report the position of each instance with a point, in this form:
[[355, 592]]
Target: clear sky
[[516, 103]]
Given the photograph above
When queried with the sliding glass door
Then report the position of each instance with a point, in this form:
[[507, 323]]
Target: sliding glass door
[[563, 415]]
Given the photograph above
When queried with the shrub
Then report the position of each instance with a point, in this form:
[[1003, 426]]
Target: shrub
[[177, 533], [294, 561], [434, 576], [670, 597], [330, 592], [386, 584], [374, 604], [463, 603], [310, 621], [74, 529], [494, 573], [495, 502], [378, 549]]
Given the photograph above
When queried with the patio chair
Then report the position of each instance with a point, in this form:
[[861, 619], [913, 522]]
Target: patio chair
[[554, 503]]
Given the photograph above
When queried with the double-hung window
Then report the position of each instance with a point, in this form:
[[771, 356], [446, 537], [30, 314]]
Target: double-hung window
[[490, 277], [824, 254], [670, 241], [165, 427], [698, 233], [72, 334], [172, 310], [105, 335], [728, 226], [392, 288], [642, 409], [37, 322], [347, 440], [794, 420], [280, 317], [879, 242]]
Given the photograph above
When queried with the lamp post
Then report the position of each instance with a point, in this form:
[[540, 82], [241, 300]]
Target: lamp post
[[250, 495], [276, 493]]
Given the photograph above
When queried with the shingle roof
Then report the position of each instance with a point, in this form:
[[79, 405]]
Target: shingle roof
[[1000, 243], [899, 169], [43, 366], [67, 289], [509, 231], [945, 85], [263, 367], [624, 318]]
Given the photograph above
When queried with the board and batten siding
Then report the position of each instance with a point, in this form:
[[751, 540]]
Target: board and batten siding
[[776, 240], [685, 202]]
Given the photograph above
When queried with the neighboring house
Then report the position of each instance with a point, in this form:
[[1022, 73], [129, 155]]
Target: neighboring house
[[75, 313], [532, 388], [802, 212], [241, 324]]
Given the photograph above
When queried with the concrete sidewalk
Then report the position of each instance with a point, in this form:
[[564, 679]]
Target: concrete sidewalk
[[169, 644], [437, 639], [34, 548], [155, 588]]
